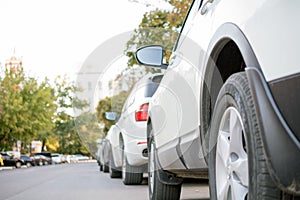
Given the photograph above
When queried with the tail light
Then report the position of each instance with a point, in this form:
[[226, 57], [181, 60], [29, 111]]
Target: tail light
[[142, 113]]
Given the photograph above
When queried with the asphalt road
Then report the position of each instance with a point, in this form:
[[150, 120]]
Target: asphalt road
[[79, 181]]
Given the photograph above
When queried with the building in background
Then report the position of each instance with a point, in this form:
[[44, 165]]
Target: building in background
[[36, 146], [14, 62]]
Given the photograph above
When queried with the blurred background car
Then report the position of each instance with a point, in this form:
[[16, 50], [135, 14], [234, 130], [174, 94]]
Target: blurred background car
[[78, 158], [81, 157], [57, 158], [103, 155], [41, 160], [28, 161], [128, 139], [46, 157], [111, 153], [9, 160]]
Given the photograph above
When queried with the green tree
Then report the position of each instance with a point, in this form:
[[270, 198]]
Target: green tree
[[158, 27], [11, 120], [108, 104], [104, 105], [88, 129], [65, 133], [27, 107], [39, 105]]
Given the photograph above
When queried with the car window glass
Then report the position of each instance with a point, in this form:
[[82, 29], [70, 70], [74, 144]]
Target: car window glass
[[150, 89]]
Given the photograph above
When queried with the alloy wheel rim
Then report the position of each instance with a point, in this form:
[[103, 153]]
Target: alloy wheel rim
[[231, 157], [18, 164]]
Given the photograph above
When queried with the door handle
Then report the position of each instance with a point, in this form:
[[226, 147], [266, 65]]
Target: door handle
[[206, 7]]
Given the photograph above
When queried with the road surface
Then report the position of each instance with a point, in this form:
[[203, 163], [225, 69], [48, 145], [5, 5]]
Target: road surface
[[80, 181]]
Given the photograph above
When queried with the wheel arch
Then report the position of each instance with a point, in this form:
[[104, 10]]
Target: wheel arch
[[149, 127], [121, 141], [229, 52]]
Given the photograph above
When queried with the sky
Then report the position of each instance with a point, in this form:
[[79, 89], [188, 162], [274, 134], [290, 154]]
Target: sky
[[54, 37]]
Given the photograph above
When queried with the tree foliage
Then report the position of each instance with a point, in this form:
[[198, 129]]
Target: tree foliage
[[65, 132], [27, 107], [88, 130], [109, 104], [104, 105], [158, 27], [36, 110]]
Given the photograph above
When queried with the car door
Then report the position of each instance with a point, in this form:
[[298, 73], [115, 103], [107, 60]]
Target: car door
[[193, 46], [168, 106], [175, 106]]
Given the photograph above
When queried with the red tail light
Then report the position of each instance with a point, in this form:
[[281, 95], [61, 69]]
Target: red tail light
[[142, 113]]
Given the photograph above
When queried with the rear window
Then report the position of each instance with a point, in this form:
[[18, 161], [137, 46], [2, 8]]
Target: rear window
[[150, 89], [152, 85]]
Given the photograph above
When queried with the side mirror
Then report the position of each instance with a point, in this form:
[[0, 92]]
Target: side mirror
[[151, 56], [111, 116]]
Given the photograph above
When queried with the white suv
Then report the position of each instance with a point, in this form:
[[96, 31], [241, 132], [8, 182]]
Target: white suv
[[228, 103], [128, 137]]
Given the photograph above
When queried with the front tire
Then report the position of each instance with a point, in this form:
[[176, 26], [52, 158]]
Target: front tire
[[18, 164], [105, 168], [100, 167], [237, 164], [113, 171]]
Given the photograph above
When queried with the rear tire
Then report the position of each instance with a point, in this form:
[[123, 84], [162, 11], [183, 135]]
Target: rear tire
[[237, 164], [157, 189], [105, 168], [113, 171], [100, 167], [18, 164], [130, 175]]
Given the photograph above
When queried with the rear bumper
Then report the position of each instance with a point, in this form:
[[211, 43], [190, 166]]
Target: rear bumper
[[135, 152], [281, 145]]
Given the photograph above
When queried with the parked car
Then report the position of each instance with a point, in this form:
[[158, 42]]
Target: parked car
[[12, 161], [47, 160], [103, 155], [41, 160], [64, 158], [57, 158], [28, 161], [128, 138], [79, 157], [112, 154], [228, 102]]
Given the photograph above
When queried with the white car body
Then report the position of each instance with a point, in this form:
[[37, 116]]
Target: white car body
[[249, 20], [128, 134], [78, 158], [113, 138], [56, 158], [266, 35]]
